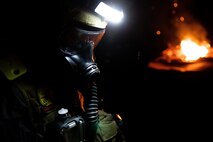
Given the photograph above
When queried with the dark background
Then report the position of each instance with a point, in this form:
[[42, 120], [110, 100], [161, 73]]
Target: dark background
[[155, 104]]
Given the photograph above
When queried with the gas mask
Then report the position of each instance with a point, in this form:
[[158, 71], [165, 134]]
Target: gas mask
[[77, 44], [82, 34]]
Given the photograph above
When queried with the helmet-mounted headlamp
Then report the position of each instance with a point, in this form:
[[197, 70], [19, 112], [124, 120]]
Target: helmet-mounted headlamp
[[109, 13], [96, 13]]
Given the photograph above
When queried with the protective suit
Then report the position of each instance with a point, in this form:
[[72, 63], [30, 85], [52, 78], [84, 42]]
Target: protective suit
[[52, 95]]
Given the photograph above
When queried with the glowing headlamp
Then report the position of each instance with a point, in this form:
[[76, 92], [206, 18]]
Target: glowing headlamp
[[110, 14]]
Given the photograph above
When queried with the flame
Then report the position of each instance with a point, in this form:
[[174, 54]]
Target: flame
[[193, 51], [187, 51]]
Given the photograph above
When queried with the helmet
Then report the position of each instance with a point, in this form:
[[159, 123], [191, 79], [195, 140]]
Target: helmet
[[82, 31]]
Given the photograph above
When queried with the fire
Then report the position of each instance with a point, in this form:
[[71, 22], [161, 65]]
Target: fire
[[193, 51], [188, 51]]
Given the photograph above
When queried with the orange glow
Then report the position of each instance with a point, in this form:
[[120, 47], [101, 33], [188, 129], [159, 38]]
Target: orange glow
[[81, 99], [118, 116], [158, 32], [187, 51], [182, 18], [193, 51], [175, 4]]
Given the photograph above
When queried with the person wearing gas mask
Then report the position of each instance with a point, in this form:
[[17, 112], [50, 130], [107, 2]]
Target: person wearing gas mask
[[50, 93]]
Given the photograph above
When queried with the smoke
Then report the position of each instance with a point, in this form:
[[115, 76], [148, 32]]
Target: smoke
[[192, 30], [187, 27]]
